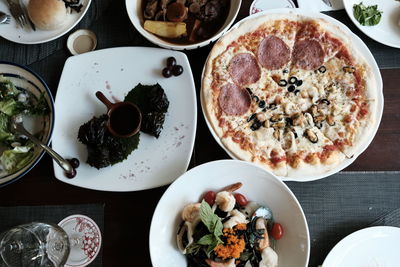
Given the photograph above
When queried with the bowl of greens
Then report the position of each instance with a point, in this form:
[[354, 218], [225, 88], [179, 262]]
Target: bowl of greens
[[22, 93]]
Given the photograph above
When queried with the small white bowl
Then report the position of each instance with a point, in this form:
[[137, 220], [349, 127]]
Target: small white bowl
[[258, 185], [134, 9]]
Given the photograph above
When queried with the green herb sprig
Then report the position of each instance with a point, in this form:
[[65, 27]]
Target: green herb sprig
[[214, 226], [367, 16]]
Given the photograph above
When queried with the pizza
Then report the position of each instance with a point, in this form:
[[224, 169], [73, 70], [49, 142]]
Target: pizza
[[290, 93]]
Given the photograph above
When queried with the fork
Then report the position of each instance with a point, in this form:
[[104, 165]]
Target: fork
[[4, 18], [327, 2], [18, 13]]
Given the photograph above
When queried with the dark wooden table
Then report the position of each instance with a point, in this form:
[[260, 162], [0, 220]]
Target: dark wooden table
[[128, 215]]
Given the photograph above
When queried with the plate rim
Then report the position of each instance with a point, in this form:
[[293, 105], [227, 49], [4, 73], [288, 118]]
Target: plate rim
[[194, 130], [374, 66], [356, 234], [89, 2], [52, 121], [188, 174], [349, 12]]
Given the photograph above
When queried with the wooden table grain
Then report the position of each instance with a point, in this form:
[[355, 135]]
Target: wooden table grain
[[128, 215]]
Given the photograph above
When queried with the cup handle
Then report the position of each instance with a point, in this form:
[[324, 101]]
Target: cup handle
[[104, 99]]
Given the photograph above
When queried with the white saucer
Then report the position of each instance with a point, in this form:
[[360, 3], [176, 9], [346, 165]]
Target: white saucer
[[85, 239]]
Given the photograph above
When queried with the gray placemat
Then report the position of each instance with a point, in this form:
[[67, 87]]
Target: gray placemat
[[386, 57], [12, 216], [343, 203]]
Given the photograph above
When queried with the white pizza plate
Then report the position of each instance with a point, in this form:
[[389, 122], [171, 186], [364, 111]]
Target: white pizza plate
[[293, 248], [358, 45], [387, 31], [115, 72], [376, 246], [13, 32]]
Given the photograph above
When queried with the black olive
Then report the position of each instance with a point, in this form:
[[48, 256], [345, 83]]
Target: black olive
[[295, 134], [249, 90], [256, 125], [255, 98], [171, 61], [289, 121], [322, 69], [326, 101], [251, 117], [166, 72], [299, 82], [282, 83], [261, 104], [71, 174], [272, 106], [74, 162], [292, 80], [285, 71], [291, 88], [296, 92], [264, 109], [177, 70]]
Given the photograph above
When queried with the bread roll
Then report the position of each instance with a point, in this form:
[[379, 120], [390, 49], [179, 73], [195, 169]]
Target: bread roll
[[47, 14]]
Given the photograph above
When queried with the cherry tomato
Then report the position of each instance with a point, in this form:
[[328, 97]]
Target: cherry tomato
[[241, 200], [277, 231], [209, 197]]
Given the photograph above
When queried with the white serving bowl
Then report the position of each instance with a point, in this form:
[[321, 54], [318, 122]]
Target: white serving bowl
[[134, 9], [26, 79], [258, 185]]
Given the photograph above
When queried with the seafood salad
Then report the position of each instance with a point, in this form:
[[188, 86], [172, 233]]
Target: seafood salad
[[227, 230]]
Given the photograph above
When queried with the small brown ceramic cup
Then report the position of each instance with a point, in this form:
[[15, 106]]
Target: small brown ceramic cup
[[124, 118]]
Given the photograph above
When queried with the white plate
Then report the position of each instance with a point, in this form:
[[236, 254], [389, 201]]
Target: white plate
[[26, 79], [370, 247], [364, 51], [387, 31], [115, 72], [258, 185], [319, 5], [14, 33]]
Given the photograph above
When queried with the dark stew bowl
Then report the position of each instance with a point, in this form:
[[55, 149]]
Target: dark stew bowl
[[136, 10]]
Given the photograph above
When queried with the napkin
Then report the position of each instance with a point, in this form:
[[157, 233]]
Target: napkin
[[319, 5], [390, 219]]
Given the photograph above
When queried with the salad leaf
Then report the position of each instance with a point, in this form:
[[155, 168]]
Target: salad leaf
[[367, 16], [206, 240], [14, 159], [5, 134]]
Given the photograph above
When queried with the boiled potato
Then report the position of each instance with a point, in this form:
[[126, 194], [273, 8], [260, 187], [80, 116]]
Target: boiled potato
[[166, 29]]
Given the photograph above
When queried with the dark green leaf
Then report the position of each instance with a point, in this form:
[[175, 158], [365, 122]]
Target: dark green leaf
[[367, 16], [193, 249], [206, 240]]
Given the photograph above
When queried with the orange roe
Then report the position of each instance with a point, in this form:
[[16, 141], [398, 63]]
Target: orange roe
[[234, 244]]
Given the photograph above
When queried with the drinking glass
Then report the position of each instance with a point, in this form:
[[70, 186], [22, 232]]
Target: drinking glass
[[35, 244]]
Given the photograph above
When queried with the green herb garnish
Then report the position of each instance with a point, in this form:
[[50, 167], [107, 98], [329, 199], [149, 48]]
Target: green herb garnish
[[214, 226], [367, 16]]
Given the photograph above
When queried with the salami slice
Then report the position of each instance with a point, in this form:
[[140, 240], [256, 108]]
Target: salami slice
[[234, 100], [308, 54], [273, 53], [244, 69]]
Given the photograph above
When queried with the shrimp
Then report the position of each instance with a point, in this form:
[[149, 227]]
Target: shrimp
[[230, 263], [191, 212], [225, 201], [269, 258], [260, 225], [233, 187], [237, 218]]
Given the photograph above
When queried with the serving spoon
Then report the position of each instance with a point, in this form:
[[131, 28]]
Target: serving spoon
[[17, 126]]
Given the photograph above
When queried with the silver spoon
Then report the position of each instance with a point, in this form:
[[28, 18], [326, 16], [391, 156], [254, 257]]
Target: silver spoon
[[4, 18], [18, 127]]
